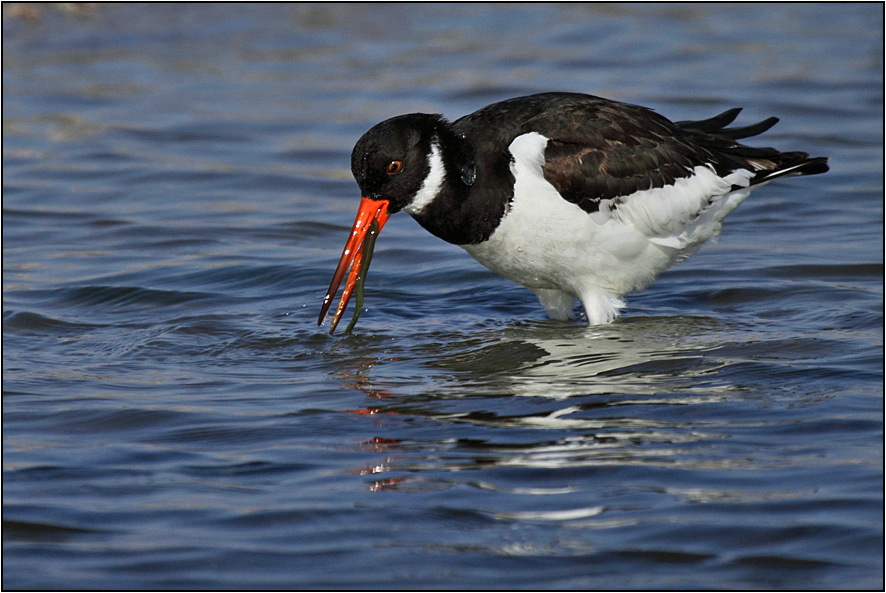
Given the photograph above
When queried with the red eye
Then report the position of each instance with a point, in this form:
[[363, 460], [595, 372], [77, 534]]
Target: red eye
[[394, 167]]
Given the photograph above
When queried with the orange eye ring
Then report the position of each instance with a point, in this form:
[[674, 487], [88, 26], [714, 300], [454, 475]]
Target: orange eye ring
[[394, 167]]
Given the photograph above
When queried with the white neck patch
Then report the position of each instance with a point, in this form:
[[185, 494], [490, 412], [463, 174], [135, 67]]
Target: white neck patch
[[432, 183]]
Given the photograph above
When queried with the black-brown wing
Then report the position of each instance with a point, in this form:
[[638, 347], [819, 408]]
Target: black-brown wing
[[601, 150]]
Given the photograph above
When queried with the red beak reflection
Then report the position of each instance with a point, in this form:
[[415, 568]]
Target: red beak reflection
[[371, 217]]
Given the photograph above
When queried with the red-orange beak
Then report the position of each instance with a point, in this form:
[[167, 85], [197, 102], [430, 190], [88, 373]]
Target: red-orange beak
[[370, 210]]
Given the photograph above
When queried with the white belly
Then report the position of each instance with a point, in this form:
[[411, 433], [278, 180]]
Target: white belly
[[555, 244]]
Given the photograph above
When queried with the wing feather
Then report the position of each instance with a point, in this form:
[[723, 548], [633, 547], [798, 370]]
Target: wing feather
[[602, 150]]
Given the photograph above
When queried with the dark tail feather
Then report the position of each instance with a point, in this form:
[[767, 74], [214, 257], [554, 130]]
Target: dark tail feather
[[713, 125], [767, 163], [717, 125], [789, 164], [748, 131]]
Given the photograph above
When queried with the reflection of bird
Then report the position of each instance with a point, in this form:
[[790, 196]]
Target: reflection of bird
[[568, 194]]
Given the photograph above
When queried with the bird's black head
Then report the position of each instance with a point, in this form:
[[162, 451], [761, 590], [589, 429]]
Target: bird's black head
[[390, 161]]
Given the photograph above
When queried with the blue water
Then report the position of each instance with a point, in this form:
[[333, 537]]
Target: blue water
[[176, 193]]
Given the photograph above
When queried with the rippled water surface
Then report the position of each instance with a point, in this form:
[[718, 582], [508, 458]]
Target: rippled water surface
[[176, 193]]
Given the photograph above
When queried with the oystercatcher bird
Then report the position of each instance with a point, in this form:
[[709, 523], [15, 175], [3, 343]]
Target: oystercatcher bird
[[571, 195]]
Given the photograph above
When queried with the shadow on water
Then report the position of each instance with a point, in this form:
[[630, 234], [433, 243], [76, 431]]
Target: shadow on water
[[548, 395]]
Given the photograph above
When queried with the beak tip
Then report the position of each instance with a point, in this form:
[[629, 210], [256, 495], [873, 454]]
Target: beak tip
[[376, 215]]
